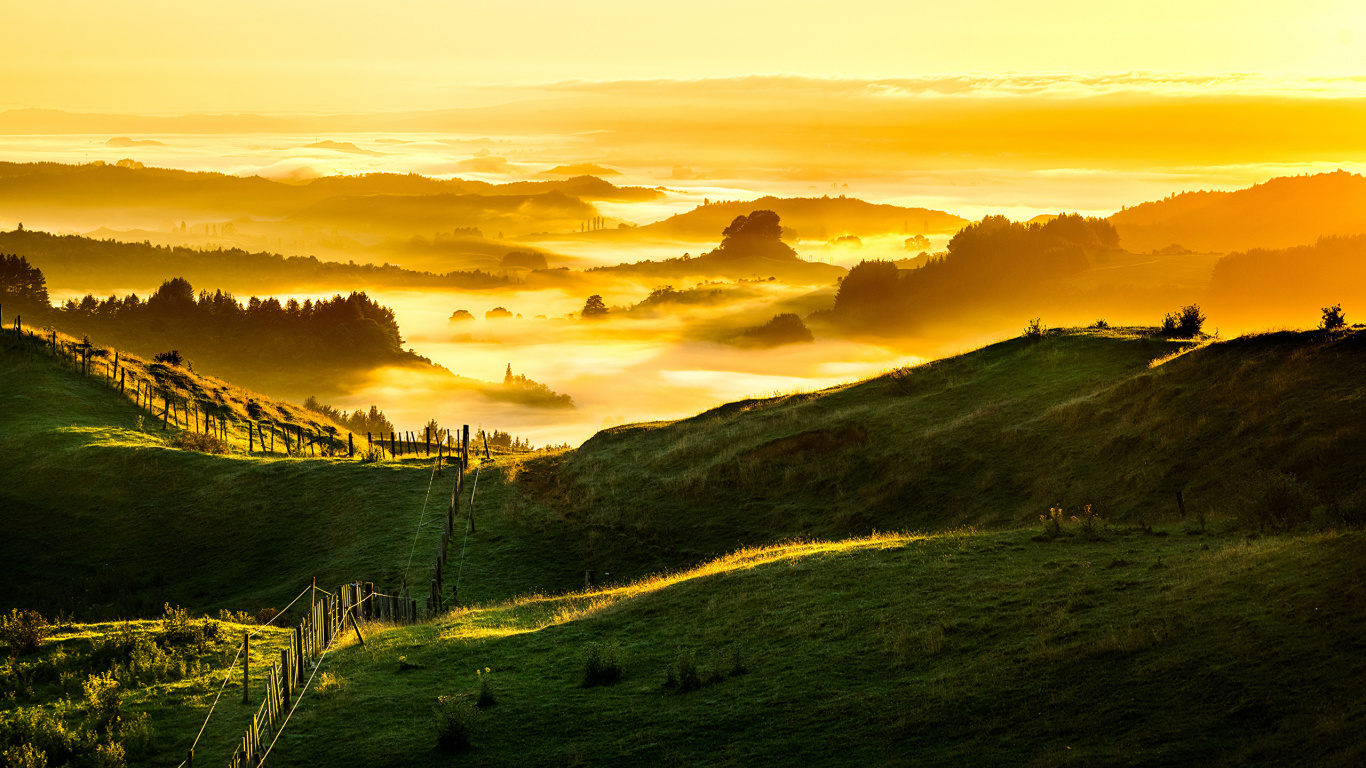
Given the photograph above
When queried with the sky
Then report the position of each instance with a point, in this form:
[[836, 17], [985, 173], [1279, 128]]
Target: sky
[[293, 57]]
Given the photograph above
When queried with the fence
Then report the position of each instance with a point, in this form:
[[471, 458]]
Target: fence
[[329, 612], [309, 642], [171, 408]]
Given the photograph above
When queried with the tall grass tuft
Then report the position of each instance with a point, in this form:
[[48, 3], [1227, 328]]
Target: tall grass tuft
[[454, 719], [602, 665]]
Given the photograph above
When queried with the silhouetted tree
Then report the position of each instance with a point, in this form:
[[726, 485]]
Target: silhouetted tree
[[1333, 319], [1185, 323], [593, 308], [22, 285]]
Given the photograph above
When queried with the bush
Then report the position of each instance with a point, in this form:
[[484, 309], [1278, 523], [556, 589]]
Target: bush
[[602, 666], [1101, 325], [169, 358], [47, 733], [1185, 323], [683, 675], [454, 720], [25, 756], [1036, 330], [199, 441], [109, 755], [103, 698], [1276, 501], [175, 625], [1333, 319], [24, 631]]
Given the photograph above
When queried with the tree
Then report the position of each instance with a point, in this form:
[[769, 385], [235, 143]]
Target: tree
[[1333, 318], [1184, 323], [593, 308], [759, 225], [22, 284]]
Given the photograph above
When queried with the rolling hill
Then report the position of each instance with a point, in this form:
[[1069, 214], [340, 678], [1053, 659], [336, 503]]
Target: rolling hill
[[1280, 213]]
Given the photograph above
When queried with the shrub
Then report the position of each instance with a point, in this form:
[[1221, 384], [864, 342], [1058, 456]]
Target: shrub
[[175, 625], [1100, 325], [683, 675], [1036, 330], [1185, 323], [109, 755], [602, 665], [1276, 500], [25, 756], [46, 731], [1052, 522], [454, 720], [266, 615], [102, 698], [135, 733], [486, 696], [24, 631], [199, 441], [1333, 319], [169, 358]]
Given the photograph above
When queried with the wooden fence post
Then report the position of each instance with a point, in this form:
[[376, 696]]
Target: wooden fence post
[[429, 441], [465, 449], [350, 446], [367, 601], [393, 444], [246, 667], [285, 678]]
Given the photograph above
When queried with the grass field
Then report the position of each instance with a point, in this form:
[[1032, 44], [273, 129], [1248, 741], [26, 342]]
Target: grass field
[[740, 543], [1118, 419], [954, 648], [105, 519]]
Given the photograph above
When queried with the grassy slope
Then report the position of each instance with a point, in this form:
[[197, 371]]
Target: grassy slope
[[103, 519], [993, 437], [976, 648]]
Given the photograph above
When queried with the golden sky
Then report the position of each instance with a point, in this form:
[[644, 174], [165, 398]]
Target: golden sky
[[287, 56]]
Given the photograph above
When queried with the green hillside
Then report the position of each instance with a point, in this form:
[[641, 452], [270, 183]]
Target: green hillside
[[962, 648], [991, 438], [105, 518], [1231, 636]]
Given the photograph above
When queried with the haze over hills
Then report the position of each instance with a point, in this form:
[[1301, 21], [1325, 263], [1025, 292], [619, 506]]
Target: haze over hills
[[1280, 213], [817, 218], [118, 195]]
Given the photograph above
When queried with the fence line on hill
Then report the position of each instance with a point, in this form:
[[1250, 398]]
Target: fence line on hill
[[312, 638], [185, 412]]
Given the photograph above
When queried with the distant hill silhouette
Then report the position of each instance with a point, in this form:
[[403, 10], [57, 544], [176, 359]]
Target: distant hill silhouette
[[397, 214], [1292, 285], [991, 267], [1283, 212], [342, 146], [751, 247], [72, 260], [119, 195], [817, 218]]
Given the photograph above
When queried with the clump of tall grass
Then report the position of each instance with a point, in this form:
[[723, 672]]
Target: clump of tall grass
[[487, 697], [602, 665], [454, 719]]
